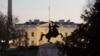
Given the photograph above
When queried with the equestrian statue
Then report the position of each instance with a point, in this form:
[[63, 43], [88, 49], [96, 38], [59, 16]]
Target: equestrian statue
[[53, 31]]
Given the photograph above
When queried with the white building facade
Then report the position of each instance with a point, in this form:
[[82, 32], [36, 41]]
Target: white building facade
[[34, 32]]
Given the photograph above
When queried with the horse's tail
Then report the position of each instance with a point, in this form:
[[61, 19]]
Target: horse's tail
[[41, 36]]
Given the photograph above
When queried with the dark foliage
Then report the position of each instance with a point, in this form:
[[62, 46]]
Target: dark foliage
[[85, 41], [22, 48], [7, 33], [4, 31], [27, 48], [33, 47]]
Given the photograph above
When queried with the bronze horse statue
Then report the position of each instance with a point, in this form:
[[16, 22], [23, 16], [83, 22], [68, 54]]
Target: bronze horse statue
[[53, 32]]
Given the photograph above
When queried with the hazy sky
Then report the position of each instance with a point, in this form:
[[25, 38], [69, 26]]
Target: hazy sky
[[38, 9]]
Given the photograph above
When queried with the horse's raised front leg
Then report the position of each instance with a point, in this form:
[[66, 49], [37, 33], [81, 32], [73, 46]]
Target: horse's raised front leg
[[61, 35], [41, 36], [63, 38]]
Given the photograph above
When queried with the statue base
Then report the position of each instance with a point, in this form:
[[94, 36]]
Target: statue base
[[48, 49]]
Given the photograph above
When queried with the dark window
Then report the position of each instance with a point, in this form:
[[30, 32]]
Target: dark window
[[32, 42], [32, 34]]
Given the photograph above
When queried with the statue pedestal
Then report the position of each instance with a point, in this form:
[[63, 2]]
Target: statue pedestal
[[48, 49]]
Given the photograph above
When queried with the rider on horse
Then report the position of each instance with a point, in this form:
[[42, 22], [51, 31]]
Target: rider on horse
[[53, 31]]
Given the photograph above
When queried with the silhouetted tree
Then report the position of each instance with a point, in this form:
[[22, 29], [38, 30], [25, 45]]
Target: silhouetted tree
[[92, 18], [20, 38], [85, 41], [4, 32]]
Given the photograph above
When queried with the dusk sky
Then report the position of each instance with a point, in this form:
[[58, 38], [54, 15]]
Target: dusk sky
[[38, 9]]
